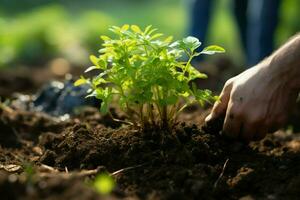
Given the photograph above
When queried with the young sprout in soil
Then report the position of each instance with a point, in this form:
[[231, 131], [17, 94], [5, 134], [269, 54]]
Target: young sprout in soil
[[104, 184], [148, 75]]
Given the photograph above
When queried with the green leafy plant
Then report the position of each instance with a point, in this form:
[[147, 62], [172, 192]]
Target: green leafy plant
[[147, 75]]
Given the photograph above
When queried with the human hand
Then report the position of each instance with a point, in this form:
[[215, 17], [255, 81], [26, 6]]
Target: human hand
[[255, 102]]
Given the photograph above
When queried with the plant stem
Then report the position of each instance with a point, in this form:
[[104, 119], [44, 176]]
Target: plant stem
[[143, 123], [157, 98], [179, 111], [151, 115], [188, 63], [172, 112], [164, 117]]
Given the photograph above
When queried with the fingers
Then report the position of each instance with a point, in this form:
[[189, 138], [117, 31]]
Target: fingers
[[220, 107], [240, 122], [248, 133], [243, 128], [232, 124]]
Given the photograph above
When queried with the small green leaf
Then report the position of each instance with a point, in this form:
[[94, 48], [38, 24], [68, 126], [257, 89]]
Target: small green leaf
[[104, 37], [102, 64], [125, 27], [194, 74], [191, 42], [80, 81], [152, 31], [175, 44], [104, 107], [147, 29], [98, 80], [94, 60], [102, 50], [168, 39], [157, 35], [213, 49], [115, 29], [135, 28]]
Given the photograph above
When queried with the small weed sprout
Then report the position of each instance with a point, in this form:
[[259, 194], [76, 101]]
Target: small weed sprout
[[104, 184], [147, 75]]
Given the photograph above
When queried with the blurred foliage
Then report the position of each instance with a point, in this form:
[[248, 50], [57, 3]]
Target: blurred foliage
[[34, 31], [35, 37], [289, 22]]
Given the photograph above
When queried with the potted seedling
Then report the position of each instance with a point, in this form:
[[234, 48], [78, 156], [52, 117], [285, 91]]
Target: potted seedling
[[149, 76]]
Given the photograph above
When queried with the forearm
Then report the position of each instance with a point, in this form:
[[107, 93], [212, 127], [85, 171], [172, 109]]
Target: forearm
[[284, 63]]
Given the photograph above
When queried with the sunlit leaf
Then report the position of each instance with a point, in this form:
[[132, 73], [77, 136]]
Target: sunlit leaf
[[135, 28], [94, 60], [152, 31], [125, 27], [147, 29], [104, 37], [168, 39], [191, 42], [80, 81], [157, 35], [213, 49]]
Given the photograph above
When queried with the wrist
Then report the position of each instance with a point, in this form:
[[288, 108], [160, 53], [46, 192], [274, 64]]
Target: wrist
[[288, 74], [283, 66]]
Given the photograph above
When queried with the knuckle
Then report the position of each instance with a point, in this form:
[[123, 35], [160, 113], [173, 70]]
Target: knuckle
[[228, 84], [229, 81], [223, 96]]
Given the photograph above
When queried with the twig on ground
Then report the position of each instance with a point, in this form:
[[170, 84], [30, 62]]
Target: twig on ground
[[49, 172], [66, 169], [126, 169], [68, 174], [222, 173]]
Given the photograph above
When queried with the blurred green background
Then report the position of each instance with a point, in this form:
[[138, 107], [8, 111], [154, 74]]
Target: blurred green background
[[33, 32]]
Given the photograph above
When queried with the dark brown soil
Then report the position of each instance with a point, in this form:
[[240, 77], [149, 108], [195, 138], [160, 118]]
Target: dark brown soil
[[42, 157], [186, 163]]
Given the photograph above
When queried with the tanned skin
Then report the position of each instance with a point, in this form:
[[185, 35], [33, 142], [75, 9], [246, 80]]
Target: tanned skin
[[260, 99]]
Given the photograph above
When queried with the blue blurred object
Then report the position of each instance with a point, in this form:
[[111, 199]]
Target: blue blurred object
[[262, 23], [59, 98], [200, 17], [256, 20]]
